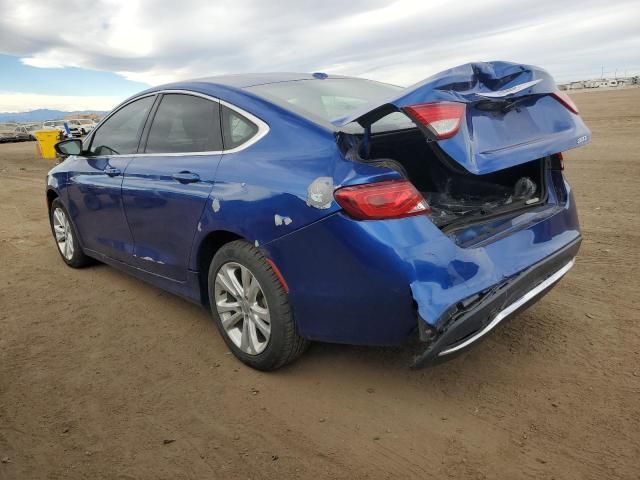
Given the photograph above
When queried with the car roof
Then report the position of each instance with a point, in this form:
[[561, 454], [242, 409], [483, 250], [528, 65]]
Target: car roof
[[235, 88], [245, 80]]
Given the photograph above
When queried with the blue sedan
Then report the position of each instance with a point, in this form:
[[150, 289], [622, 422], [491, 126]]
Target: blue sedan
[[303, 207]]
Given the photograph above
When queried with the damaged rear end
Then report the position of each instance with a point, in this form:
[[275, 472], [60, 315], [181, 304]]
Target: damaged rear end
[[488, 221]]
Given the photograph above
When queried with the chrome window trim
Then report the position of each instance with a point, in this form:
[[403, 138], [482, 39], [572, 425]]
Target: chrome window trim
[[111, 114], [512, 308], [263, 127]]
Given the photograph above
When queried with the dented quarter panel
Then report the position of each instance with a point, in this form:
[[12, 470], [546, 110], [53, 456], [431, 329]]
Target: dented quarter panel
[[366, 275]]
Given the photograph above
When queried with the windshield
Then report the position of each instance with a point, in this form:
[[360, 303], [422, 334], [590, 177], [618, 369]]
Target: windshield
[[333, 98]]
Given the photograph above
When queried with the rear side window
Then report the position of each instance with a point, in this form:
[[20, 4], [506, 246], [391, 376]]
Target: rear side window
[[185, 123], [236, 129], [119, 135]]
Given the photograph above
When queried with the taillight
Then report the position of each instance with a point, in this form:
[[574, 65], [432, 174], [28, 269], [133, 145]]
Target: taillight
[[381, 200], [565, 100], [442, 119]]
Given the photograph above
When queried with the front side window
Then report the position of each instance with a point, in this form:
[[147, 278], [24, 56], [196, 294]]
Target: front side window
[[120, 134], [236, 129], [185, 123]]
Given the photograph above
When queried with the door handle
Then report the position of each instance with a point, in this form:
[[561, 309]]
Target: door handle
[[186, 177], [112, 171]]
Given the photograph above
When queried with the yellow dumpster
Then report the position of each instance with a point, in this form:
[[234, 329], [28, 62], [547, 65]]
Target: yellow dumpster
[[46, 140]]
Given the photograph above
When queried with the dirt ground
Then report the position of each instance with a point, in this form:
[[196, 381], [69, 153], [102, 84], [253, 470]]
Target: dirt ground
[[103, 376]]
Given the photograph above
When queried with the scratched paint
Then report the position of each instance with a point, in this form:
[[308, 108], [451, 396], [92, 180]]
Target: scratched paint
[[279, 220], [320, 193]]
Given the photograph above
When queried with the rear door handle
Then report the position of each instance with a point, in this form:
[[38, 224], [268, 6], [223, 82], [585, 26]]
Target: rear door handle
[[186, 177], [112, 171]]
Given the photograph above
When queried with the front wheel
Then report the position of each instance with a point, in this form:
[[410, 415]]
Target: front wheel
[[251, 308], [65, 236]]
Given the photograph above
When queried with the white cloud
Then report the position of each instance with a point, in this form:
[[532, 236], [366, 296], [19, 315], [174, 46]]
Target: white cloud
[[400, 41], [20, 102], [42, 61]]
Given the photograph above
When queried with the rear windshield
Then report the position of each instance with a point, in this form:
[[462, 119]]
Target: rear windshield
[[333, 98]]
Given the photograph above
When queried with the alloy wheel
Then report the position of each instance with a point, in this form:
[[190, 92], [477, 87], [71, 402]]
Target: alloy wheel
[[63, 233], [242, 307]]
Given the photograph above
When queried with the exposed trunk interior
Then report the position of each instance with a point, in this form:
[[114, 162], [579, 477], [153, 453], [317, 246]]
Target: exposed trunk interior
[[455, 195]]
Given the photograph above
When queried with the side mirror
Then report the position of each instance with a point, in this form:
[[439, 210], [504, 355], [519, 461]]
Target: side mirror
[[69, 147]]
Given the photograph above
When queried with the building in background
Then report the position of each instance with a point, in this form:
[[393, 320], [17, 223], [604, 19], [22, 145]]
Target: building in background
[[90, 116], [618, 82]]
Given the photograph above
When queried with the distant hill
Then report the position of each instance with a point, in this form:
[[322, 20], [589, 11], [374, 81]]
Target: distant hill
[[41, 115]]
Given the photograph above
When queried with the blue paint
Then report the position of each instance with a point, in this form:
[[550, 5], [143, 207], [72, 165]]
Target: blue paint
[[94, 201], [493, 140], [163, 213], [350, 281]]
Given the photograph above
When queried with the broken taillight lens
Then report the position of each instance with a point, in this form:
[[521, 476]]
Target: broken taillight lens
[[382, 200], [441, 119], [565, 100]]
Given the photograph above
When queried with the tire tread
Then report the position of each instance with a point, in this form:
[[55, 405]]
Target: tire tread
[[294, 345]]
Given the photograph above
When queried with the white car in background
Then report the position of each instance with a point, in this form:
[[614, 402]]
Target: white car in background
[[59, 125], [13, 133], [84, 125], [32, 128]]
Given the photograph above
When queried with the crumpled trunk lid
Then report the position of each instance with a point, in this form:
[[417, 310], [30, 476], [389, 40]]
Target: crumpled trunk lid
[[511, 114]]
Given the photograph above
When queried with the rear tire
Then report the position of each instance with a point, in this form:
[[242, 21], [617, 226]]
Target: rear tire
[[65, 236], [251, 308]]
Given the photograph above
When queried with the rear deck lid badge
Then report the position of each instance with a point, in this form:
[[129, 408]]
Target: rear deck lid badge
[[509, 91]]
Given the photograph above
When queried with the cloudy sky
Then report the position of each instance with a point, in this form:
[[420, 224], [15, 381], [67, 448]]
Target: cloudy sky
[[92, 54]]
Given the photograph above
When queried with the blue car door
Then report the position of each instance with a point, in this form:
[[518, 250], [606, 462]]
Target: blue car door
[[167, 185], [95, 181]]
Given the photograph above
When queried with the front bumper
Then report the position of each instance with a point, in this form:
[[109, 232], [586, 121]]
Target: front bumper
[[470, 320]]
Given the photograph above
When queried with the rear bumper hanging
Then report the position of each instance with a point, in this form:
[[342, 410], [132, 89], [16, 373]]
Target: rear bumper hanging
[[472, 319]]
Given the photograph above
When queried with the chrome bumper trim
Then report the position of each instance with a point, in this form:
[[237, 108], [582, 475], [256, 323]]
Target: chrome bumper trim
[[512, 308]]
